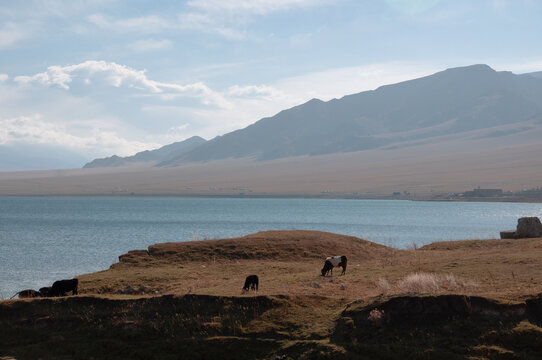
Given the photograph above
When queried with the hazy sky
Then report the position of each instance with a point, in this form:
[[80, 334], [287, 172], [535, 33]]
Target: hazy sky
[[103, 77]]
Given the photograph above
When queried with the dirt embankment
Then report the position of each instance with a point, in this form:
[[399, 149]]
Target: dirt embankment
[[267, 327]]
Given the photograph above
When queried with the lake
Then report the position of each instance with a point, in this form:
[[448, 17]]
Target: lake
[[43, 239]]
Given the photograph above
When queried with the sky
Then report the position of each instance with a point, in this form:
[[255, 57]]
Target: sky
[[93, 78]]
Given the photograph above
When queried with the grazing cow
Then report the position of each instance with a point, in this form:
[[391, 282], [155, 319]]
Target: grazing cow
[[61, 287], [332, 262], [28, 293], [45, 291], [251, 283]]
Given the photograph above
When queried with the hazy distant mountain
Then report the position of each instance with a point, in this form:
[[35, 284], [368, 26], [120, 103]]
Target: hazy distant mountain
[[164, 153], [453, 101], [37, 157], [537, 74]]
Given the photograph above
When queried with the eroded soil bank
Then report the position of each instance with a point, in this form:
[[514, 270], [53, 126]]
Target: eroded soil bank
[[266, 327]]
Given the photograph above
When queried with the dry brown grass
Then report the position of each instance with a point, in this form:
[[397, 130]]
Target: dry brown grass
[[289, 262]]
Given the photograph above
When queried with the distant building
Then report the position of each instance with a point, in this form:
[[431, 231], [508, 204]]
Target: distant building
[[483, 193]]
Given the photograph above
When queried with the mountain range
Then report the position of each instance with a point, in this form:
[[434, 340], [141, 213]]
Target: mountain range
[[165, 153], [462, 102]]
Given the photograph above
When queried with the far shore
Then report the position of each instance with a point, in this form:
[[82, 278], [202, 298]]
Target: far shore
[[412, 197]]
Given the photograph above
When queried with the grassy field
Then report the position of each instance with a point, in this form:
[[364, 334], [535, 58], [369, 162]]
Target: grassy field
[[476, 299]]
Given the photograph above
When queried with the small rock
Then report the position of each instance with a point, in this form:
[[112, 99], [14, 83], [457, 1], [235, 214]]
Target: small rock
[[316, 285], [344, 287]]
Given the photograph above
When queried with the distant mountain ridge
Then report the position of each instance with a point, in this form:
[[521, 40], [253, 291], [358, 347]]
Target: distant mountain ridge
[[455, 101], [162, 154], [537, 74], [448, 102]]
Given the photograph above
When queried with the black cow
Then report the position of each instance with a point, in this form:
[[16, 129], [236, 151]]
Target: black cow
[[251, 283], [28, 293], [331, 262], [45, 291], [61, 287]]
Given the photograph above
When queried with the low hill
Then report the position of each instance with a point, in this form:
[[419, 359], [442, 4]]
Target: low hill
[[267, 245], [149, 156]]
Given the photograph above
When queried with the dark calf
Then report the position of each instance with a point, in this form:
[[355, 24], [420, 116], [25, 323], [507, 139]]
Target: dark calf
[[28, 293], [327, 268], [251, 283], [61, 287], [45, 291]]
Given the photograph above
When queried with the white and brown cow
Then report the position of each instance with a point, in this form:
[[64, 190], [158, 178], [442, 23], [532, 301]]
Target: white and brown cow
[[332, 262]]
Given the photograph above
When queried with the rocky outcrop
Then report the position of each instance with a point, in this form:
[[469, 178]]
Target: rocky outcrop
[[528, 227]]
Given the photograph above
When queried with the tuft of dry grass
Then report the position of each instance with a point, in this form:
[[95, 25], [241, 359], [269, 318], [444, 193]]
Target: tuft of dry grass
[[425, 283], [383, 286], [419, 283]]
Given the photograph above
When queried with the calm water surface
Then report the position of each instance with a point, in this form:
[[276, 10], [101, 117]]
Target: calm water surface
[[43, 239]]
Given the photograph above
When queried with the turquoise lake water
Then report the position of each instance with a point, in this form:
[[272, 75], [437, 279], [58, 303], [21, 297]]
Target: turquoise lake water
[[43, 239]]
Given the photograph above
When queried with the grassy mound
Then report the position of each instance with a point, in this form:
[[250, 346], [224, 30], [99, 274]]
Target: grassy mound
[[266, 245]]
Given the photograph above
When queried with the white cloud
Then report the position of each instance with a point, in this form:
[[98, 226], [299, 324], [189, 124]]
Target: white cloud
[[412, 7], [150, 45], [227, 18], [259, 7], [300, 40], [3, 77], [263, 91], [152, 24], [34, 130], [11, 33], [208, 24], [120, 75], [223, 18]]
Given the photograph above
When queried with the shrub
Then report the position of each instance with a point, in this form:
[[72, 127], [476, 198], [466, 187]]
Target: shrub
[[376, 317]]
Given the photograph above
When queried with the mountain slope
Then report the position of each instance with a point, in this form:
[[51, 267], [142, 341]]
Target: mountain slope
[[453, 101], [162, 154], [537, 74]]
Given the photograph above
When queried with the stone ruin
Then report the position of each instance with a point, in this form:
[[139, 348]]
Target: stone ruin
[[528, 227]]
